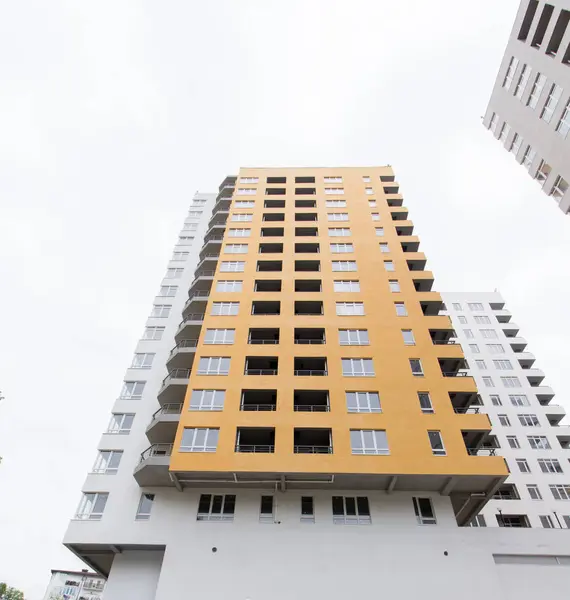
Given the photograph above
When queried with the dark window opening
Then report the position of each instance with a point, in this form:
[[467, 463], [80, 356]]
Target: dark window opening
[[258, 400], [277, 180], [275, 191], [306, 231], [528, 19], [307, 265], [267, 285], [308, 285], [272, 231], [309, 335], [305, 203], [268, 335], [311, 401], [261, 365], [307, 248], [305, 191], [255, 439], [387, 178], [266, 307], [306, 217], [310, 366], [304, 179], [312, 441], [558, 33], [542, 26], [270, 248], [273, 216], [308, 308], [274, 204], [269, 265]]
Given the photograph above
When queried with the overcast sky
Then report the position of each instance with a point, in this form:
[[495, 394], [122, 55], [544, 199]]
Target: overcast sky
[[113, 113]]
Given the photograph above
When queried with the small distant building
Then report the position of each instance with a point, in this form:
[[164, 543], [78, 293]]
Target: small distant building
[[75, 585]]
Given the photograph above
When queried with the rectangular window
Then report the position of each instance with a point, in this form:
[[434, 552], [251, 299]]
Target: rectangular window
[[375, 216], [474, 348], [560, 492], [416, 366], [344, 265], [244, 204], [543, 172], [513, 442], [482, 320], [229, 286], [529, 420], [551, 103], [107, 462], [462, 320], [503, 365], [516, 144], [369, 191], [522, 81], [180, 256], [334, 179], [379, 231], [132, 390], [384, 248], [563, 126], [505, 130], [239, 232], [511, 382], [214, 365], [350, 308], [339, 231], [153, 333], [537, 86], [249, 179], [307, 509], [235, 249], [225, 308], [120, 423], [216, 507], [489, 334], [488, 382], [549, 465], [504, 420], [346, 286], [539, 442], [475, 306], [363, 402], [528, 157], [144, 507], [522, 465], [219, 336], [436, 443], [372, 203], [351, 510], [336, 203], [242, 217], [234, 266], [168, 291], [496, 400], [495, 348], [142, 360], [559, 188], [160, 311], [246, 191], [394, 285], [481, 365], [401, 310], [478, 521], [199, 439], [408, 336], [456, 306], [334, 191], [389, 266], [335, 248], [266, 509], [353, 337], [174, 273], [423, 508], [337, 216], [546, 521], [357, 367], [368, 441], [92, 506], [207, 399], [425, 402], [509, 75]]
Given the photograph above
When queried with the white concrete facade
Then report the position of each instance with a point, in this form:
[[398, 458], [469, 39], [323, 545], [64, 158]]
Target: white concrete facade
[[75, 585], [494, 351], [529, 110]]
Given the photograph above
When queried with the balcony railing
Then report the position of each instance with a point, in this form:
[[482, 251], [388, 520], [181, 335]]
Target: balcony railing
[[310, 372], [258, 407], [467, 410], [184, 344], [455, 373], [264, 449], [444, 342], [312, 449], [214, 238], [303, 341], [168, 409], [193, 317], [199, 294], [260, 372], [204, 274], [482, 451], [156, 451], [177, 374], [311, 408]]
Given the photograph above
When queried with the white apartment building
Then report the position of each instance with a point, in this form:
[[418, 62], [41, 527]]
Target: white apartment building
[[529, 110], [526, 424], [75, 585]]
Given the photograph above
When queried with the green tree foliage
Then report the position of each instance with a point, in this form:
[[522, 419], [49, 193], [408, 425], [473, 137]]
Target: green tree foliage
[[10, 593]]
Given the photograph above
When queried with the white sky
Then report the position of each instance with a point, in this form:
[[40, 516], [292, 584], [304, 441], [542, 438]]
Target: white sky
[[113, 113]]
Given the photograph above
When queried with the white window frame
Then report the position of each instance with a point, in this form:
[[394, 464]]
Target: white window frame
[[529, 420], [533, 491], [435, 439], [207, 400], [522, 81], [504, 420], [239, 232], [536, 91], [160, 311], [422, 517], [341, 248], [379, 231], [375, 216], [511, 382], [416, 367], [333, 179], [513, 442], [242, 217], [482, 320], [488, 381], [224, 309], [493, 122], [384, 248], [496, 348], [89, 502], [408, 337], [334, 191], [117, 425], [559, 188], [550, 465], [214, 365], [153, 334], [354, 337], [560, 491], [241, 204], [505, 130], [352, 309], [335, 203], [229, 285], [232, 266], [358, 518], [104, 459], [389, 266], [522, 464], [346, 285], [551, 103], [246, 191], [496, 400], [538, 442], [503, 365], [369, 441], [128, 394], [146, 501], [252, 180], [519, 400], [191, 443], [510, 74], [425, 407], [236, 249], [488, 334], [223, 515], [563, 125], [167, 291], [344, 266], [528, 156], [174, 273], [142, 360], [364, 402], [357, 367], [339, 217], [394, 285], [339, 232], [219, 336], [400, 308]]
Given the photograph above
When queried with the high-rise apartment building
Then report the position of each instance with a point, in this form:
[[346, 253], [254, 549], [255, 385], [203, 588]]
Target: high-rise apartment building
[[74, 585], [529, 110], [526, 425], [271, 439]]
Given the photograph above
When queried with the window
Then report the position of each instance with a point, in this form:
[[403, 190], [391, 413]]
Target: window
[[333, 179], [493, 122], [416, 366], [236, 249], [266, 511], [307, 509], [539, 82], [505, 130], [375, 216], [92, 506], [190, 227], [339, 231], [462, 320], [560, 492], [529, 420], [207, 400], [489, 334], [543, 171], [346, 286], [495, 400], [239, 232], [394, 285], [199, 439], [180, 256], [475, 306], [539, 442], [216, 507], [495, 348], [379, 231], [372, 203], [504, 420], [389, 265], [481, 365], [342, 248], [408, 336], [225, 308], [425, 402], [368, 441], [363, 402], [107, 462], [242, 217], [357, 367], [153, 333], [232, 266], [249, 179], [546, 521], [567, 517], [549, 465], [369, 191], [120, 423], [353, 337], [174, 273], [336, 203], [513, 442], [478, 521], [244, 204], [219, 336], [246, 191], [468, 333], [457, 306], [482, 320], [510, 382], [423, 508], [335, 191], [559, 188], [503, 365], [185, 240], [551, 103], [509, 75], [563, 126], [160, 311], [436, 443], [195, 214], [522, 465], [142, 360], [384, 248], [132, 390], [522, 81], [344, 265], [474, 348], [401, 309], [528, 157], [516, 144], [351, 510], [337, 216], [144, 508], [214, 365], [168, 291], [350, 308], [488, 382], [229, 286]]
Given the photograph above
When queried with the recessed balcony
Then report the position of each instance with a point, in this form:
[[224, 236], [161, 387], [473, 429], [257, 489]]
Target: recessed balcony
[[271, 248], [261, 365], [305, 203], [182, 355], [196, 303], [312, 441], [273, 217], [404, 228], [152, 469], [535, 376], [308, 285], [453, 367], [258, 440], [306, 216], [267, 335], [392, 189], [258, 400], [306, 232], [518, 344], [307, 248], [307, 265], [308, 308], [266, 307], [395, 200], [219, 217], [274, 204], [442, 337], [510, 329], [214, 232], [162, 428], [430, 303], [174, 387], [311, 401], [399, 214], [266, 266], [310, 366], [463, 402], [309, 335], [272, 231], [267, 285]]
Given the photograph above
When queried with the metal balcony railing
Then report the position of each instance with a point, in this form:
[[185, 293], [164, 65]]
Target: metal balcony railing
[[312, 449], [214, 238], [266, 449], [176, 374], [258, 407], [310, 372], [255, 341], [184, 344], [482, 451], [168, 409], [192, 317], [204, 273], [311, 408], [455, 373], [310, 341], [467, 410], [156, 451], [260, 372], [199, 294], [444, 342]]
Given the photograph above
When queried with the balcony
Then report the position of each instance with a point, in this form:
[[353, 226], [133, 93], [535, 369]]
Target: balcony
[[162, 428], [311, 401], [510, 329], [306, 248], [207, 264], [266, 307], [272, 231], [268, 335], [174, 387], [219, 217], [543, 393], [308, 308], [526, 359], [554, 413], [307, 265], [274, 204], [310, 367], [202, 284], [392, 189], [152, 469], [308, 191], [399, 214], [404, 228], [212, 246], [258, 440], [416, 261], [273, 217], [534, 376], [190, 327], [518, 344], [503, 316], [308, 285], [410, 243], [395, 200], [214, 232], [196, 303], [453, 367], [305, 216], [261, 365], [463, 402], [258, 400], [267, 285], [182, 355], [309, 335], [270, 248], [305, 203], [479, 439], [430, 303], [312, 441], [423, 281], [266, 266], [482, 451], [442, 337], [306, 231], [508, 491]]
